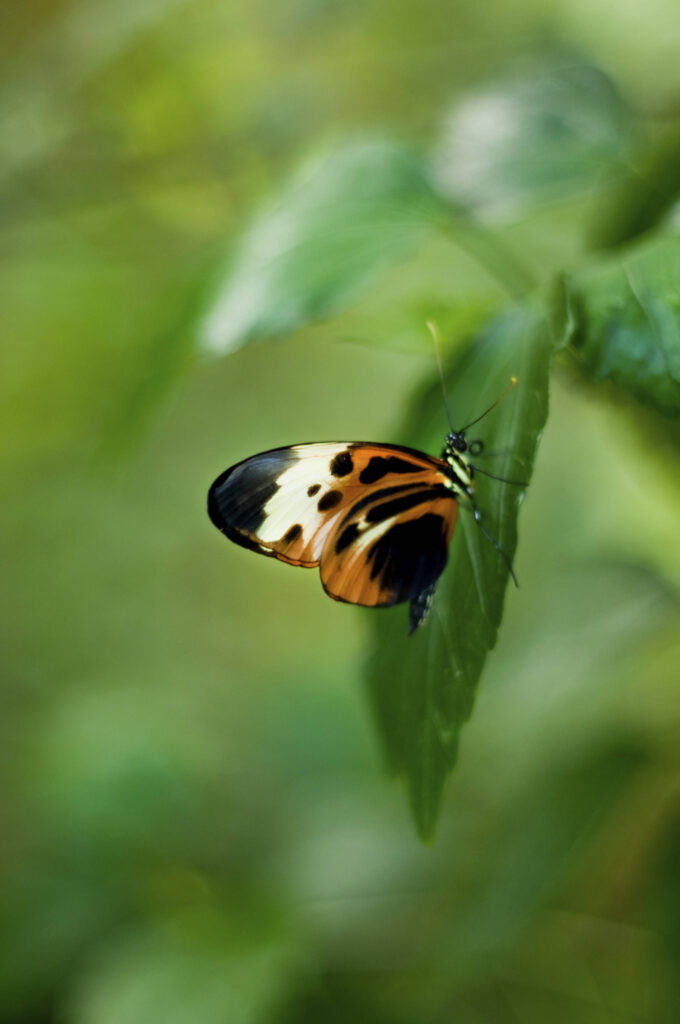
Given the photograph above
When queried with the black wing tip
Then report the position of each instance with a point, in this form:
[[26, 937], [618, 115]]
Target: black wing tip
[[231, 533], [214, 513]]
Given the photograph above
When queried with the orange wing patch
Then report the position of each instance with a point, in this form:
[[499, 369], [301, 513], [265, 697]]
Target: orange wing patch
[[390, 548]]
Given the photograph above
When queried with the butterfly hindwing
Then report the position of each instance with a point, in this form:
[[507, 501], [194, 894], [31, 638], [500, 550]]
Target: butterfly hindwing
[[392, 545], [375, 516]]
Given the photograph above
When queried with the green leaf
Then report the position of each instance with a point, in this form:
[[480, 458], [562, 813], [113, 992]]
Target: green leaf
[[422, 687], [343, 220], [621, 316], [206, 963], [643, 197], [528, 139]]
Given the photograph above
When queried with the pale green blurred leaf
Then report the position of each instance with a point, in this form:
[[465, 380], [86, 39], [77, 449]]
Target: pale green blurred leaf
[[423, 687], [345, 218], [200, 965], [36, 96], [621, 315], [532, 138]]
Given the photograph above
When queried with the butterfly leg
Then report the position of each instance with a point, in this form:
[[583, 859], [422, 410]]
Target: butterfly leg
[[502, 479], [478, 519]]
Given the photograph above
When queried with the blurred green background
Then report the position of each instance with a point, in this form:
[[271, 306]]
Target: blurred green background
[[196, 821]]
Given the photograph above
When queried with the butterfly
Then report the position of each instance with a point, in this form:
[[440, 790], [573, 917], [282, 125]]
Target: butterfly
[[377, 519]]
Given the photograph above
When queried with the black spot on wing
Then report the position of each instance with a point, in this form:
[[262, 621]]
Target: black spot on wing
[[329, 500], [341, 464], [378, 513], [373, 496], [347, 537], [292, 535], [378, 467], [314, 489], [410, 556]]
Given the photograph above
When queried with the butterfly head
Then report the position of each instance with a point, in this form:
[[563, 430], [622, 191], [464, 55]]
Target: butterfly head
[[457, 442]]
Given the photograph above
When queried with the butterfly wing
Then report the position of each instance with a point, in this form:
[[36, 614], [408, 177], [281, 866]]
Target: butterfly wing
[[392, 544], [286, 503]]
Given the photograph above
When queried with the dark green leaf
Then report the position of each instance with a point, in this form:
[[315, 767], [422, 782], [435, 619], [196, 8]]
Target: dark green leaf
[[622, 318], [529, 139], [646, 192], [423, 687], [344, 219]]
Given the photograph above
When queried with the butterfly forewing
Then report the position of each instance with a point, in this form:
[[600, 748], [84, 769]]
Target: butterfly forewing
[[297, 503], [279, 502]]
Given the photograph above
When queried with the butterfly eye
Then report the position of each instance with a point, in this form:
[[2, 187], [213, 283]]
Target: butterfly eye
[[476, 447], [456, 440]]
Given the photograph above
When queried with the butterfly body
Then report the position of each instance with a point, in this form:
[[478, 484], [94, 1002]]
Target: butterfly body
[[376, 519]]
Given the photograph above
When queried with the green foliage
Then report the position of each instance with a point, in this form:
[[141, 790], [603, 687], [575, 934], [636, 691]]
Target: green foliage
[[621, 315], [343, 220], [525, 140], [195, 823], [423, 687], [647, 190], [549, 135], [189, 967]]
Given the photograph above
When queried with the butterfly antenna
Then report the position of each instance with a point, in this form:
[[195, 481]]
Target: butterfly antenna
[[432, 328], [513, 381]]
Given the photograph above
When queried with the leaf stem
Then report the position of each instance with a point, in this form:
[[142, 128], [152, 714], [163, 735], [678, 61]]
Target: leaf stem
[[492, 254]]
